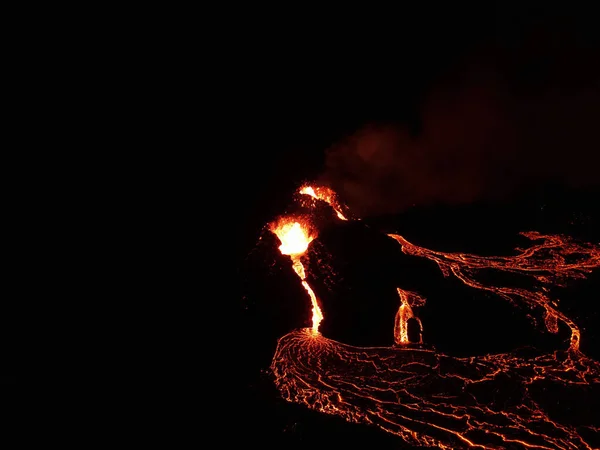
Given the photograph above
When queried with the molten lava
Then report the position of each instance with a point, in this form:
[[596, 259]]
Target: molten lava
[[294, 242], [325, 194], [546, 262], [430, 399], [405, 312]]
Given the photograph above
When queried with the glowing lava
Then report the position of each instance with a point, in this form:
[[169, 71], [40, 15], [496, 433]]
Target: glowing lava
[[546, 262], [404, 314], [430, 399], [433, 400], [294, 239], [325, 194]]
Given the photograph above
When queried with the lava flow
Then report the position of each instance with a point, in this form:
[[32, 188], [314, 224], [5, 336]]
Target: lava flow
[[430, 399], [294, 241]]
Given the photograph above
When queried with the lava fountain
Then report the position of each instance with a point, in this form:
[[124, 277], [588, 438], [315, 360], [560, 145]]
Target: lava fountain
[[295, 238], [430, 399]]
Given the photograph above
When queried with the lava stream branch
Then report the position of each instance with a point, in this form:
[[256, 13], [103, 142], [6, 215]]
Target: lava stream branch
[[545, 270]]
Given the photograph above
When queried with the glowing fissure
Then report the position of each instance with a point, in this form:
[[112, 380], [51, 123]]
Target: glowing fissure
[[434, 400]]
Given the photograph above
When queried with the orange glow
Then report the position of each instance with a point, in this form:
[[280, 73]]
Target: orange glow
[[405, 313], [295, 239], [430, 399], [325, 194], [308, 190]]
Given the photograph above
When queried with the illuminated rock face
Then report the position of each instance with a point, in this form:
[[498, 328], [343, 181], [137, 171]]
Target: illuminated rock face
[[362, 307], [366, 318]]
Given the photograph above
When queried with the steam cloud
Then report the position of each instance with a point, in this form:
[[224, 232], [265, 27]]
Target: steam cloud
[[487, 132]]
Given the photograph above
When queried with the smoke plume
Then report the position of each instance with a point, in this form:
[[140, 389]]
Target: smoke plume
[[492, 127]]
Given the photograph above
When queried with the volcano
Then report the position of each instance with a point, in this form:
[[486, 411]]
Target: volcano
[[359, 348]]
